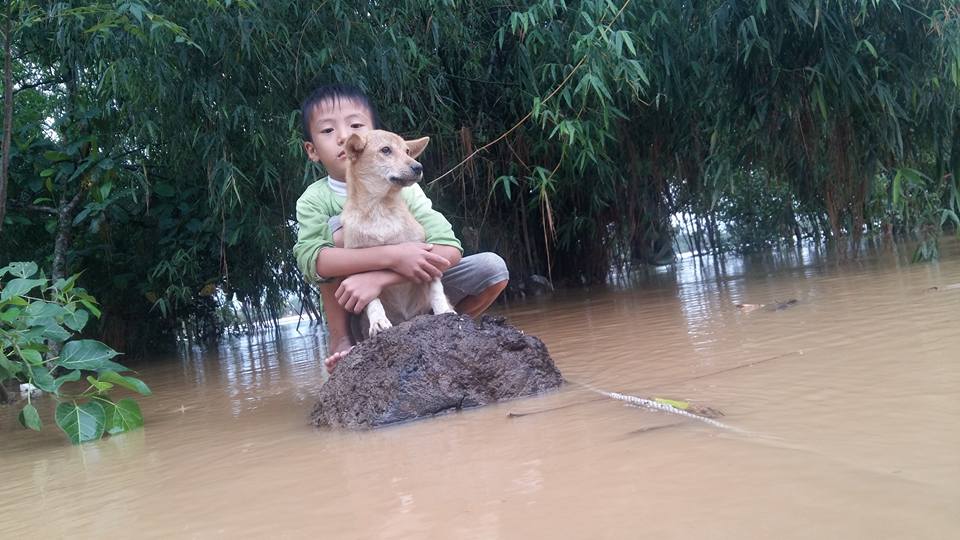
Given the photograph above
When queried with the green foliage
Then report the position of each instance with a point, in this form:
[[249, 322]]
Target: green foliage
[[33, 313], [160, 140]]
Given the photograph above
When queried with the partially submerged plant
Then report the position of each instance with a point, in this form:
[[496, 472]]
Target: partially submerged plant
[[38, 323]]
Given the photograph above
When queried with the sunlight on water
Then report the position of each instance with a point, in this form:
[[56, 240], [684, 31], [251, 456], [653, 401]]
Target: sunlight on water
[[849, 397]]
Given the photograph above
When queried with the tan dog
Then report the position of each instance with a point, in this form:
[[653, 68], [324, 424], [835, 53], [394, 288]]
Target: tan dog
[[379, 165]]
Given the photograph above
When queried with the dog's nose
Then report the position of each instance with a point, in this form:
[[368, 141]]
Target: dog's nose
[[416, 168]]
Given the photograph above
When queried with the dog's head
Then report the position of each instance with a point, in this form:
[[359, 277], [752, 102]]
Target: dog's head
[[383, 161]]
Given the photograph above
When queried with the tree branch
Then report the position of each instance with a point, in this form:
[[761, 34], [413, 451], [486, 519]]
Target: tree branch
[[37, 84]]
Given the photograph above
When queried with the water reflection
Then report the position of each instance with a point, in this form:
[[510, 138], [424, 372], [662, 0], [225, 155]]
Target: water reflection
[[854, 389]]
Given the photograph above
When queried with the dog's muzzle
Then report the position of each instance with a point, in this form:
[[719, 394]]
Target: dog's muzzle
[[405, 181], [416, 173]]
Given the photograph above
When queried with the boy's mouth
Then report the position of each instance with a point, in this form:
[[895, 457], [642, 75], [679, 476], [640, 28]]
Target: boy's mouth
[[342, 155]]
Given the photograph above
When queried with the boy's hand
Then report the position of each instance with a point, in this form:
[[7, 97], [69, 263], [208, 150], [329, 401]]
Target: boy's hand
[[358, 290], [416, 262]]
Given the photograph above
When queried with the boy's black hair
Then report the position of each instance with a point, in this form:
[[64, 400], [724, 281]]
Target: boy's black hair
[[336, 93]]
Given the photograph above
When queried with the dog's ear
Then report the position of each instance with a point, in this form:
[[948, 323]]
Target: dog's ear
[[355, 145], [416, 146]]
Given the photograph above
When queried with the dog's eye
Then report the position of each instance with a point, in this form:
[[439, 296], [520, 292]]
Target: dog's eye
[[385, 150]]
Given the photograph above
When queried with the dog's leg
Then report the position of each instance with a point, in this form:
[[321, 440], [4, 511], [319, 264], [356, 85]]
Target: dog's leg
[[438, 300], [377, 317]]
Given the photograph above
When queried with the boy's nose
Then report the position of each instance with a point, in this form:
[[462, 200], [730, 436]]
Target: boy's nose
[[417, 168]]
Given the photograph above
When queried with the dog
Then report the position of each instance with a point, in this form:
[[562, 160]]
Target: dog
[[379, 165]]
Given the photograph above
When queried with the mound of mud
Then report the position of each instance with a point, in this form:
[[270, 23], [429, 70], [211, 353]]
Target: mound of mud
[[430, 365]]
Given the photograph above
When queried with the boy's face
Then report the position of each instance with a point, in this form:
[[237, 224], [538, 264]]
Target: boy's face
[[331, 124]]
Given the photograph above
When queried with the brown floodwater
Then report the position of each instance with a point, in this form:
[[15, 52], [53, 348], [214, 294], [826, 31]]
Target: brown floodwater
[[848, 402]]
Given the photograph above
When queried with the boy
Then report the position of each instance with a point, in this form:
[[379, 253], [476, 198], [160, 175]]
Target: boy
[[350, 278]]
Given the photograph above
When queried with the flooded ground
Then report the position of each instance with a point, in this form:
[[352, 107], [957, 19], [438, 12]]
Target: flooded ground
[[850, 398]]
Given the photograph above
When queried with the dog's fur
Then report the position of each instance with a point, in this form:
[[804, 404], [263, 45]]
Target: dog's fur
[[379, 165]]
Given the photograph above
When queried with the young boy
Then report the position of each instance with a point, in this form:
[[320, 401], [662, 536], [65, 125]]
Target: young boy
[[350, 278]]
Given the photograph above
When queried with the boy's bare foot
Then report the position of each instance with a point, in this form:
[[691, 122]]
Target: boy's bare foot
[[331, 361], [341, 347]]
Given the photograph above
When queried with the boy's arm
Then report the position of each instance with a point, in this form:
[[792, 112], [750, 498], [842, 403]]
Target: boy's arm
[[313, 234], [416, 261], [438, 230], [320, 256]]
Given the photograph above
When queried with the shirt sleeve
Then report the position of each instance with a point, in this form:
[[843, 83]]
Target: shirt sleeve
[[438, 230], [313, 235]]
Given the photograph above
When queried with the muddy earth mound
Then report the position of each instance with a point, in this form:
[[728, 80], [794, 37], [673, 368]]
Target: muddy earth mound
[[430, 365]]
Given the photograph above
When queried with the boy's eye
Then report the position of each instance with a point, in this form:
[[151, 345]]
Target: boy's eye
[[326, 130], [356, 126], [385, 150]]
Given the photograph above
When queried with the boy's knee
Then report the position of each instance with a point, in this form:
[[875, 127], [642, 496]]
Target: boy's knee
[[492, 267]]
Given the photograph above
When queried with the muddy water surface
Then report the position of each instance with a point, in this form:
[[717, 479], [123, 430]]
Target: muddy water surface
[[850, 398]]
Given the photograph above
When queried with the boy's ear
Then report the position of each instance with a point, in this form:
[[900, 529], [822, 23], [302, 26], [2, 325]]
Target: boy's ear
[[311, 151], [355, 145], [416, 146]]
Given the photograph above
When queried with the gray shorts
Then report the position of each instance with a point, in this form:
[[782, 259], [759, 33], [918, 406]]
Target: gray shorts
[[470, 277]]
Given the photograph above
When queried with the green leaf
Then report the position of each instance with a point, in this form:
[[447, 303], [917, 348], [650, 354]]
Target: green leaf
[[91, 306], [88, 354], [55, 332], [123, 416], [44, 309], [10, 315], [10, 367], [19, 287], [20, 269], [682, 405], [31, 356], [30, 418], [81, 423], [76, 320], [130, 383], [72, 376], [98, 384], [66, 285], [42, 379]]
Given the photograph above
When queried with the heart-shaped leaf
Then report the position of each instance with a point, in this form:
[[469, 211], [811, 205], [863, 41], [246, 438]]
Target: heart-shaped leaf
[[19, 287], [88, 354], [30, 418], [20, 269], [41, 378], [31, 356], [123, 416], [76, 320], [81, 423]]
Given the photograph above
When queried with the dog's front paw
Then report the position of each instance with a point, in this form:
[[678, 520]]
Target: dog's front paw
[[379, 325], [443, 309]]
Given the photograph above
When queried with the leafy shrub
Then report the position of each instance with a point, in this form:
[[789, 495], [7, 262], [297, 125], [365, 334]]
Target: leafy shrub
[[38, 323]]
